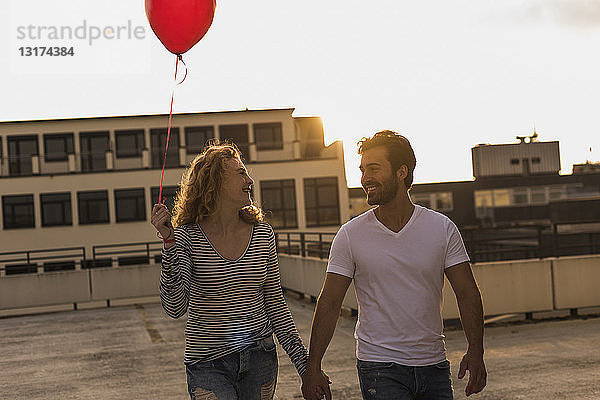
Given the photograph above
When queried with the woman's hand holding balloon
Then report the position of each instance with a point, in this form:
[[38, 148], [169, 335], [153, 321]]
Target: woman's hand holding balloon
[[161, 219]]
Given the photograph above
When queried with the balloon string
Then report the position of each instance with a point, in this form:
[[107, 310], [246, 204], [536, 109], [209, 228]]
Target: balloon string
[[179, 58]]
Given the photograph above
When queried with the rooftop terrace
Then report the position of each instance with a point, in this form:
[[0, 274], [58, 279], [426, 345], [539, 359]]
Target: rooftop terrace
[[136, 352]]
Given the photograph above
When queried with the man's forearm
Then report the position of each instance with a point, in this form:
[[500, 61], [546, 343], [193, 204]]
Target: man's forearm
[[471, 316], [323, 327]]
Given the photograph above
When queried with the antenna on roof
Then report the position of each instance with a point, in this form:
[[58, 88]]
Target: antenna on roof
[[533, 138], [529, 139]]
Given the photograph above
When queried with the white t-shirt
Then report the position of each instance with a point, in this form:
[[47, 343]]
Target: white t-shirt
[[398, 279]]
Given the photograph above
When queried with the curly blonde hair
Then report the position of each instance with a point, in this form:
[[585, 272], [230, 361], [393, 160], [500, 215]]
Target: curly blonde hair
[[200, 187]]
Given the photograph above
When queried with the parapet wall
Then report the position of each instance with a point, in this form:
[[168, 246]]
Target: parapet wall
[[507, 287]]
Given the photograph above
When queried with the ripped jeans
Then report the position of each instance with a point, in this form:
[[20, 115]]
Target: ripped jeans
[[391, 381], [250, 374]]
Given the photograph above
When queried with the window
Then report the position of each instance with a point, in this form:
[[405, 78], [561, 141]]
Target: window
[[443, 201], [535, 160], [158, 138], [56, 209], [169, 193], [196, 138], [279, 197], [574, 190], [20, 151], [17, 211], [422, 199], [129, 143], [130, 205], [94, 146], [321, 201], [440, 201], [502, 197], [484, 203], [538, 195], [238, 134], [57, 147], [557, 192], [483, 198], [268, 136], [514, 161], [93, 207], [520, 196]]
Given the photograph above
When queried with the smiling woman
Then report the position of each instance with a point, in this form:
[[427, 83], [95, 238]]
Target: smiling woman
[[219, 264], [202, 184]]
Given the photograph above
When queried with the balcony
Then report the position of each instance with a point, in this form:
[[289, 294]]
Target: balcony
[[100, 161], [32, 165]]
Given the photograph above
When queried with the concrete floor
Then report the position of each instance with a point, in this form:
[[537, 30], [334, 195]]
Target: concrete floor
[[136, 352]]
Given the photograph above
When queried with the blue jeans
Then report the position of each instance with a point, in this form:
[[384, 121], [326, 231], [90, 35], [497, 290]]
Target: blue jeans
[[250, 374], [388, 380]]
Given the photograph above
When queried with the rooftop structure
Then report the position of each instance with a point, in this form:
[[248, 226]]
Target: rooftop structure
[[528, 157]]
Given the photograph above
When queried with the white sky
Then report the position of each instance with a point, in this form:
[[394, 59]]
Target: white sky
[[448, 74]]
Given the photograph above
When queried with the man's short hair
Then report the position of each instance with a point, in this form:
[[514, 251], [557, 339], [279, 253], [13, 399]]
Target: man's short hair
[[398, 149]]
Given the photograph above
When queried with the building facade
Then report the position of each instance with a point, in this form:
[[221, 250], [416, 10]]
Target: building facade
[[93, 181]]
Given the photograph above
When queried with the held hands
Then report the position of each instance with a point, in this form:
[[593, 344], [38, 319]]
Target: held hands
[[473, 362], [161, 219], [315, 385]]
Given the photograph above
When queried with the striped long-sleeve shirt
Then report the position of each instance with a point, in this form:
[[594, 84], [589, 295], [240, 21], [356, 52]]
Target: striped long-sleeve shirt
[[230, 304]]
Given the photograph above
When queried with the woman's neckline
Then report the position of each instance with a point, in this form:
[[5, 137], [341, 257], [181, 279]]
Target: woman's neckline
[[217, 251]]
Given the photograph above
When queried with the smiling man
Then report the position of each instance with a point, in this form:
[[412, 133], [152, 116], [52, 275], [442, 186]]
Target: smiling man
[[397, 254]]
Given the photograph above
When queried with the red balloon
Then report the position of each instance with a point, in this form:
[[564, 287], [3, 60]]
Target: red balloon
[[180, 24]]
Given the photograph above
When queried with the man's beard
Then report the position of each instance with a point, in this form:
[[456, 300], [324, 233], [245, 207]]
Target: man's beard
[[389, 189]]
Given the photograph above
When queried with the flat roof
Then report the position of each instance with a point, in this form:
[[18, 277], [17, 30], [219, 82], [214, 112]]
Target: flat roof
[[124, 352], [148, 115], [481, 145]]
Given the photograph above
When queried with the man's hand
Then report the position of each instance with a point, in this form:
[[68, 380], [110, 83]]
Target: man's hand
[[315, 385], [477, 373]]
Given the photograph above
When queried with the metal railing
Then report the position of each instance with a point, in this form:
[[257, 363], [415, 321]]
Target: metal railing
[[483, 245], [27, 261], [127, 253], [503, 244], [305, 244], [71, 258], [523, 242]]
